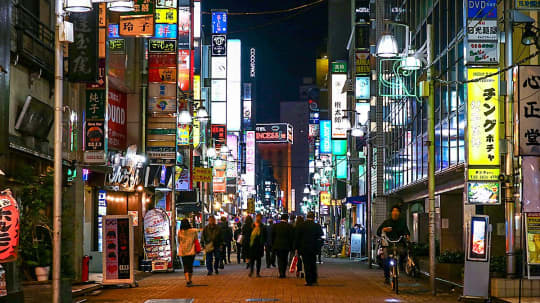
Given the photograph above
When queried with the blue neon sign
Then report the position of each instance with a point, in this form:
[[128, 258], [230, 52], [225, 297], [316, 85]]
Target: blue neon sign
[[326, 137], [166, 31], [219, 22]]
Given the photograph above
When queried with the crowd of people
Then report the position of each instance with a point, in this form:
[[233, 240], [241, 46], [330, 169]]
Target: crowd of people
[[297, 242]]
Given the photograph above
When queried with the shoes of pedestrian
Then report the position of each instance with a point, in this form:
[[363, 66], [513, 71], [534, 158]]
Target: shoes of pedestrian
[[267, 266], [221, 266], [282, 277], [209, 273], [273, 265], [250, 274], [387, 281], [189, 284], [308, 284], [217, 272], [258, 275], [247, 265], [302, 275]]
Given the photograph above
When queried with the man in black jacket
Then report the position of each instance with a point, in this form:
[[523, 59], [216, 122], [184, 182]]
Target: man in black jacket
[[227, 239], [270, 255], [307, 241], [282, 242], [212, 240]]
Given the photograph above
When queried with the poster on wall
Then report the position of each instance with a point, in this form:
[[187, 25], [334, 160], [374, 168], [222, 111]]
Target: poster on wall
[[533, 238], [118, 266], [157, 237], [94, 142], [478, 246], [531, 184]]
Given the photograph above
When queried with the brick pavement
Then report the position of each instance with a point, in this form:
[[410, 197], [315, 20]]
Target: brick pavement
[[340, 281]]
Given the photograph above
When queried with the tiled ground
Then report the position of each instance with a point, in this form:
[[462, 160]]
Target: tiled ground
[[340, 281]]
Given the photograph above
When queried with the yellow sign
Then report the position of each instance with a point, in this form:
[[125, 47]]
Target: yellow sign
[[201, 174], [165, 15], [484, 174], [483, 117], [325, 198], [197, 87], [533, 238], [196, 126]]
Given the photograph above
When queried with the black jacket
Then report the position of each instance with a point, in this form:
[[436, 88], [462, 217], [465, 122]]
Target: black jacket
[[282, 236], [308, 237], [246, 234], [227, 232], [256, 247], [212, 233], [399, 228]]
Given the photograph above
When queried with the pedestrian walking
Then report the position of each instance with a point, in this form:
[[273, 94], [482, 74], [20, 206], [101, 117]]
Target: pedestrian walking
[[238, 240], [188, 244], [227, 233], [256, 246], [307, 240], [299, 267], [246, 234], [282, 243], [212, 239], [270, 255]]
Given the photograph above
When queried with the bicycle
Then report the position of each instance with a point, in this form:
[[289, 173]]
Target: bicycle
[[393, 261], [411, 269]]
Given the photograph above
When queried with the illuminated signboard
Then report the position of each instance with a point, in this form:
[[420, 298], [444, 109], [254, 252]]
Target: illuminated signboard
[[362, 112], [219, 68], [341, 167], [219, 90], [252, 61], [232, 143], [250, 158], [219, 22], [184, 64], [219, 113], [339, 104], [483, 117], [339, 147], [166, 31], [483, 192], [274, 133], [363, 88], [136, 26], [114, 31], [163, 15], [234, 85], [219, 134], [325, 137], [196, 20]]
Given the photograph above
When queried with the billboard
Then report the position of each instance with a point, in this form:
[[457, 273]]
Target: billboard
[[274, 133], [219, 113], [219, 90], [117, 124], [363, 89], [339, 103], [250, 158], [196, 20], [232, 143], [339, 147], [325, 137], [234, 85], [483, 117], [483, 192], [362, 112]]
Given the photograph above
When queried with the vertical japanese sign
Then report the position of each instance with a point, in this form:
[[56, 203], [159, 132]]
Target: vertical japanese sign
[[118, 250], [117, 116], [137, 26], [325, 137], [529, 111], [250, 158], [339, 104], [219, 22], [482, 45], [95, 104], [83, 52], [483, 117]]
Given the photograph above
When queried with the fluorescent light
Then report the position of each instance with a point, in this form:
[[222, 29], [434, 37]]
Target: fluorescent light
[[121, 6], [78, 6], [387, 46], [184, 117]]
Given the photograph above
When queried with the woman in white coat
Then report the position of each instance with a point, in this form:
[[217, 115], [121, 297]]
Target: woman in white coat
[[187, 242]]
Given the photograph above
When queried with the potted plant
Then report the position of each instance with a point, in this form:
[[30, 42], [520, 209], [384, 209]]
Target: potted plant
[[35, 198]]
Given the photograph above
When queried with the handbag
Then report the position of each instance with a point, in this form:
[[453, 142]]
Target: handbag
[[240, 238], [209, 247], [294, 264], [198, 248]]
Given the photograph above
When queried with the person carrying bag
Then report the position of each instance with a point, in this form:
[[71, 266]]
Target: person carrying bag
[[188, 247]]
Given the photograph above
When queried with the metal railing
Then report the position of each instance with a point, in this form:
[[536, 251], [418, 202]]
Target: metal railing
[[35, 40]]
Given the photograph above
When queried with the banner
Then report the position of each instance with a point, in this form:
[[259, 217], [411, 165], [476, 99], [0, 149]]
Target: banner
[[528, 111], [83, 52], [483, 118], [117, 122]]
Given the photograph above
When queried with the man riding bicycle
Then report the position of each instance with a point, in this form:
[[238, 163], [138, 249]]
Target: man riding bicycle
[[394, 228]]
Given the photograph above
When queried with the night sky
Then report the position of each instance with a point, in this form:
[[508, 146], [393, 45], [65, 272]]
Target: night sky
[[286, 44]]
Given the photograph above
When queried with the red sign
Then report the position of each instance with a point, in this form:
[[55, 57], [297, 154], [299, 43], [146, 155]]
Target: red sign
[[10, 223], [184, 70], [219, 134], [117, 127], [161, 60]]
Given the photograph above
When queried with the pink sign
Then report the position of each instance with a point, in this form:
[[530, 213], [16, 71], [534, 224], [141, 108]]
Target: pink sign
[[117, 112]]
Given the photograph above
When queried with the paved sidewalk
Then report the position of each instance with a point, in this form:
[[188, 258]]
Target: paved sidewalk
[[340, 281]]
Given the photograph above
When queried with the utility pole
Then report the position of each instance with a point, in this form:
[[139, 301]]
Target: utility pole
[[508, 161], [368, 193], [58, 110], [431, 159]]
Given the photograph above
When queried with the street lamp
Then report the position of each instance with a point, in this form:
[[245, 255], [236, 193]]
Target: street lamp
[[184, 117], [121, 6], [78, 6], [307, 190], [202, 114], [387, 46], [357, 131], [211, 152]]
